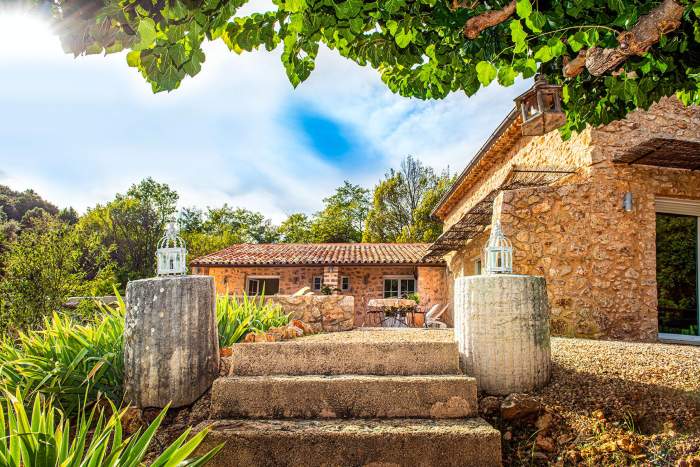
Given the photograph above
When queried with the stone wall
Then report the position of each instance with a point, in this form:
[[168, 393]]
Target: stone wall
[[327, 313], [599, 261], [532, 151], [432, 288], [366, 282]]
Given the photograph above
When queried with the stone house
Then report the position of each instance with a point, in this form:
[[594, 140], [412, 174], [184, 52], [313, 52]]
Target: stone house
[[363, 270], [609, 217]]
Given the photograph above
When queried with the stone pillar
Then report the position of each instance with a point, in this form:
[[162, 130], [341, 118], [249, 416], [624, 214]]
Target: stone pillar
[[171, 344], [331, 278], [502, 331]]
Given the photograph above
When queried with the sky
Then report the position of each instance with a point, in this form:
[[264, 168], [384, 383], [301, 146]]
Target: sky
[[80, 130]]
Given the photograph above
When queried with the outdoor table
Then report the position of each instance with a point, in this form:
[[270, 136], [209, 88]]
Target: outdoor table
[[393, 312]]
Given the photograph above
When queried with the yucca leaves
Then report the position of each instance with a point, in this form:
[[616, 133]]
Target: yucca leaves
[[44, 439], [237, 316], [74, 363]]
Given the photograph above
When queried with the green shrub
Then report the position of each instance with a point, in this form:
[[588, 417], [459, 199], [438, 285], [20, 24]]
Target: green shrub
[[237, 316], [47, 264], [46, 437], [79, 363], [73, 363]]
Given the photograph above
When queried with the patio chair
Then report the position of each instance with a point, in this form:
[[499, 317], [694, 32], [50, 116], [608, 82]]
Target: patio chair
[[432, 317]]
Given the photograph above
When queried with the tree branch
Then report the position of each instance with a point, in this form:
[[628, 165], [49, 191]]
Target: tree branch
[[574, 67], [475, 25], [647, 32]]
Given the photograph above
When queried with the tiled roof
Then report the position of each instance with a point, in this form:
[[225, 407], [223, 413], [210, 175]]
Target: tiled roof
[[282, 254]]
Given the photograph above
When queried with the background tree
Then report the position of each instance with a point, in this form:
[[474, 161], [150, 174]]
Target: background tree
[[131, 225], [343, 216], [402, 204], [45, 266], [611, 55], [16, 204], [221, 227], [296, 229]]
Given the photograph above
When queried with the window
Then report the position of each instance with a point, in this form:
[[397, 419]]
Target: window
[[345, 283], [317, 283], [399, 287], [263, 285], [477, 266]]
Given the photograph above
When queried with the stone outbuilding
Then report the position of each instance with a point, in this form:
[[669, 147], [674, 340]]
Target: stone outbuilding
[[362, 270], [610, 217]]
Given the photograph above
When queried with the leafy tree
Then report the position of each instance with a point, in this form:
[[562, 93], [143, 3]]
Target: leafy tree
[[68, 215], [16, 204], [131, 225], [249, 226], [157, 196], [403, 202], [33, 216], [296, 229], [343, 216], [611, 55], [221, 227], [45, 266]]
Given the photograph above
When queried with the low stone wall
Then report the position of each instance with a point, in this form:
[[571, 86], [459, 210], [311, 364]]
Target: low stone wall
[[327, 313]]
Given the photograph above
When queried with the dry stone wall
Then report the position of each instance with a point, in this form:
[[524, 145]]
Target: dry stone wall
[[327, 313], [599, 261]]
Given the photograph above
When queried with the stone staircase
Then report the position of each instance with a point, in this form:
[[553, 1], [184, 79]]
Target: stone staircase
[[390, 397]]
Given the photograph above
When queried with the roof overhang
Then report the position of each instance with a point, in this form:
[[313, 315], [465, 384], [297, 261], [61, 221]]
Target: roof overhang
[[663, 152], [507, 133], [478, 218]]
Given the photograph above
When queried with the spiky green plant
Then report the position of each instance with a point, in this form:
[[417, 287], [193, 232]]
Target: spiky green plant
[[237, 316], [46, 438], [73, 363]]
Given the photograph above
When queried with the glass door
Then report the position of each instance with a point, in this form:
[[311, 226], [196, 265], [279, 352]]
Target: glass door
[[677, 273]]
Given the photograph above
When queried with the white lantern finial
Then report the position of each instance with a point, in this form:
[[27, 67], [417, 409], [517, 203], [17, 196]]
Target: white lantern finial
[[499, 252], [171, 255]]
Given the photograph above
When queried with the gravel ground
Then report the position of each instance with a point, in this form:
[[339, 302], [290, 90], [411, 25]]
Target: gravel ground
[[612, 403]]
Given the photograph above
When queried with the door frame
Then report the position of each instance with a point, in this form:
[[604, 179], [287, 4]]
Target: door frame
[[684, 207]]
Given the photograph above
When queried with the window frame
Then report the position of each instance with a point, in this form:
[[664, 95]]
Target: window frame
[[313, 283], [400, 291], [478, 266], [249, 279], [345, 283]]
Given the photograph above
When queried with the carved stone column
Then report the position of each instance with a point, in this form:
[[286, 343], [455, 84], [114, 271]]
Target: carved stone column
[[171, 345], [502, 331]]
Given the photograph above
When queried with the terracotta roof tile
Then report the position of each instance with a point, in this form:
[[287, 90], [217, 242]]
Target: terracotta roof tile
[[281, 254]]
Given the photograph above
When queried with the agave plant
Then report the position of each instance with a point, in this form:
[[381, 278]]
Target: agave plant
[[46, 439], [73, 363], [237, 316]]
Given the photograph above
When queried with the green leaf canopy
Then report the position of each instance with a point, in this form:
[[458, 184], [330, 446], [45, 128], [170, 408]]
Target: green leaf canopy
[[417, 46]]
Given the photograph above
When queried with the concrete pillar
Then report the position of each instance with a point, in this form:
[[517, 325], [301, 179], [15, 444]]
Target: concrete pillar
[[502, 331], [171, 344]]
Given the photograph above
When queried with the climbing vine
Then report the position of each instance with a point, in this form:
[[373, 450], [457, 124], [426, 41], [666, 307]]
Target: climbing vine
[[611, 56]]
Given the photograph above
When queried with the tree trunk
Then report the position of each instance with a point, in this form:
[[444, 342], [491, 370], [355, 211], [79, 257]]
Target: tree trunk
[[502, 331], [171, 346]]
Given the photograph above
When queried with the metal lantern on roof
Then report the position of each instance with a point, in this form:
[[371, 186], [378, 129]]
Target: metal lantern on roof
[[540, 108], [499, 252], [171, 255]]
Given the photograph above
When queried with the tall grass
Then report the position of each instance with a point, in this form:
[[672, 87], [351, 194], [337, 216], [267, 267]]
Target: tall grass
[[70, 362], [46, 438], [238, 316]]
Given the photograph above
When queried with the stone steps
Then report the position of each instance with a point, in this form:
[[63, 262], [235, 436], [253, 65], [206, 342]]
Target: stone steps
[[347, 396], [389, 397], [397, 442], [361, 354]]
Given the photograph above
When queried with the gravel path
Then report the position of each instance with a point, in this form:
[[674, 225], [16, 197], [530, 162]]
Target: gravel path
[[613, 403]]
